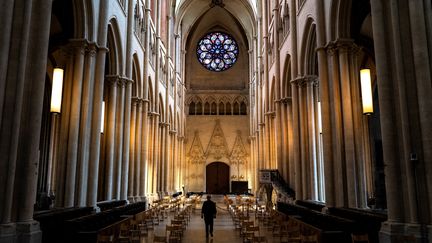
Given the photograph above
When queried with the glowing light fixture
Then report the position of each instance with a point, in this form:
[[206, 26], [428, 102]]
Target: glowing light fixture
[[57, 88], [366, 89], [103, 117]]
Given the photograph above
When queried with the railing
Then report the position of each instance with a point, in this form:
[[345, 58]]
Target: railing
[[275, 178]]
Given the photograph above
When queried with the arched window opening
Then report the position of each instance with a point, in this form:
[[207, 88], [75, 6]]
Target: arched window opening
[[206, 108], [236, 109], [243, 109], [198, 109], [192, 108], [228, 109], [213, 110], [221, 109]]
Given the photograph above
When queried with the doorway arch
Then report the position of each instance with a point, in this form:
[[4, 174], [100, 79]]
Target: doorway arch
[[217, 178]]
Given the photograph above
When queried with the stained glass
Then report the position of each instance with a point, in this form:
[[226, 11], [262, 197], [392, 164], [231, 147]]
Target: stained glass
[[217, 51]]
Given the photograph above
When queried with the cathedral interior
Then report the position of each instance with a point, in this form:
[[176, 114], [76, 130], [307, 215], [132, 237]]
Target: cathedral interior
[[317, 109]]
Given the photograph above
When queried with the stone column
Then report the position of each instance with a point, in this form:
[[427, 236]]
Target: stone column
[[144, 150], [22, 98], [63, 133], [127, 105], [150, 171], [97, 105], [156, 159], [138, 137], [296, 139], [294, 99], [125, 163], [85, 125], [74, 123], [311, 82], [131, 178], [117, 176], [110, 136], [6, 17], [421, 31], [347, 120], [337, 125], [304, 142]]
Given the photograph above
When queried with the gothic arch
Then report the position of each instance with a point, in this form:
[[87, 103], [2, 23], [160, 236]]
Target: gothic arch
[[83, 19], [308, 49], [115, 49], [161, 108], [340, 12], [150, 94], [286, 78], [136, 77], [272, 96]]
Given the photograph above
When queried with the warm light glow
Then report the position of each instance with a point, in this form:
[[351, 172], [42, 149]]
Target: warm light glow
[[103, 117], [366, 88], [319, 118], [57, 88]]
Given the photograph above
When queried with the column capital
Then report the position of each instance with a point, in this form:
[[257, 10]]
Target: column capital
[[112, 79], [286, 100], [127, 80], [164, 124], [153, 113], [172, 131], [136, 100], [78, 45], [270, 114], [92, 49], [340, 45]]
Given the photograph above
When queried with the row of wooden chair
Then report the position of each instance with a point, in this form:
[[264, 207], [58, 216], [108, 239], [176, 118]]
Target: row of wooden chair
[[174, 231]]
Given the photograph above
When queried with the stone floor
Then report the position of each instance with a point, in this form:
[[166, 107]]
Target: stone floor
[[224, 230]]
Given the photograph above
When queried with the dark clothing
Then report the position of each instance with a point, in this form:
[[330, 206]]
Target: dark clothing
[[208, 212]]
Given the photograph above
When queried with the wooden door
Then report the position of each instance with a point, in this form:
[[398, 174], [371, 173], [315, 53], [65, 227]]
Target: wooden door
[[217, 178]]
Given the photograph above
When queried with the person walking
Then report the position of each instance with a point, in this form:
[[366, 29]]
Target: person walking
[[208, 212]]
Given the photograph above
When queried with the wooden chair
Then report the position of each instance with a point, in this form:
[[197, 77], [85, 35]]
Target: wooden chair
[[105, 239], [360, 238], [260, 238], [309, 238], [159, 239], [251, 232], [290, 234], [173, 233]]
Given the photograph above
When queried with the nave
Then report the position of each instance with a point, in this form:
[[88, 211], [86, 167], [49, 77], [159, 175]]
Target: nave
[[225, 229]]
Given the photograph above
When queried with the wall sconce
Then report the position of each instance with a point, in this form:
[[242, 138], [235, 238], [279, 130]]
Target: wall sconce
[[366, 89], [319, 118], [57, 88], [233, 177], [103, 117]]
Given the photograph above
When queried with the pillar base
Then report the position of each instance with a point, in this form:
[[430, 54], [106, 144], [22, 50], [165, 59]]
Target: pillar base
[[400, 232], [7, 233], [22, 232], [28, 232]]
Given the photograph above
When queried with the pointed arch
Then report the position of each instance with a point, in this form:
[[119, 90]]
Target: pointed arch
[[308, 50], [150, 94], [115, 64], [161, 108], [83, 12], [340, 14], [286, 78], [136, 77]]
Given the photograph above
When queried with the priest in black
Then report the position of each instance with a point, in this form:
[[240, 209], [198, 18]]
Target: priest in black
[[208, 212]]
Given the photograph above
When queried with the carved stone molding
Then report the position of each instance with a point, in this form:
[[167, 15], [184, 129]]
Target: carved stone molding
[[238, 153], [196, 152], [217, 146]]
